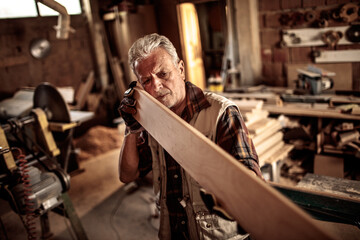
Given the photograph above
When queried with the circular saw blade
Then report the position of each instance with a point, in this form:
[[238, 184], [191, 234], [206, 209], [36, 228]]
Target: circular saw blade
[[353, 33], [48, 98]]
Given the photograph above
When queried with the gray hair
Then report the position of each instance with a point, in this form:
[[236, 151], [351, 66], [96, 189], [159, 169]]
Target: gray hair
[[144, 46]]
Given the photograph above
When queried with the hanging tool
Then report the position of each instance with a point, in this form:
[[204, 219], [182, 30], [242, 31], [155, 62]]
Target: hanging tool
[[331, 38], [352, 34], [349, 12]]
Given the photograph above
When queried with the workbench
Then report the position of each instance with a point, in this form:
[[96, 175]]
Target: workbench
[[326, 198], [293, 109]]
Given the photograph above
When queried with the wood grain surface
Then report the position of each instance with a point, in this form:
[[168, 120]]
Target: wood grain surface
[[257, 207]]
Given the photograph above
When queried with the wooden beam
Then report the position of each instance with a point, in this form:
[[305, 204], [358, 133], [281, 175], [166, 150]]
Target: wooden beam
[[97, 33], [258, 208], [84, 90], [247, 33], [335, 56]]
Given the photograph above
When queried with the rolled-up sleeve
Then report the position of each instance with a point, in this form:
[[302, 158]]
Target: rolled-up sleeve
[[145, 157]]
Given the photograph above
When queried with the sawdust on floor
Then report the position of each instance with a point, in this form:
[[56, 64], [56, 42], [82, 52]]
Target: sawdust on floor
[[98, 140]]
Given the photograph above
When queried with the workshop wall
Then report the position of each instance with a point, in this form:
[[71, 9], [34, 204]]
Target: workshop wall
[[68, 63], [276, 16]]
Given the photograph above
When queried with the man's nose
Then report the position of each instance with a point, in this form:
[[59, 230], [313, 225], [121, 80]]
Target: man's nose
[[157, 83]]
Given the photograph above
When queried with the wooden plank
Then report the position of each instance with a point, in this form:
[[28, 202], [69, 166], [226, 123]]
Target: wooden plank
[[282, 153], [338, 56], [84, 90], [262, 211], [270, 131], [275, 149], [295, 110], [262, 147], [265, 96], [260, 126], [61, 127], [254, 115], [247, 38]]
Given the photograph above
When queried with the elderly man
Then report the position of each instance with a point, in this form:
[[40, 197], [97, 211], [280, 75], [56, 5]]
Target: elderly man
[[183, 214]]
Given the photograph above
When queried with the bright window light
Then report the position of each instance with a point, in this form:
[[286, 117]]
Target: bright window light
[[27, 8], [17, 9], [72, 7]]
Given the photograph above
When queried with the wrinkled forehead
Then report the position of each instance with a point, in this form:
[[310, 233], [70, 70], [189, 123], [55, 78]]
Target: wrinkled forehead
[[158, 60]]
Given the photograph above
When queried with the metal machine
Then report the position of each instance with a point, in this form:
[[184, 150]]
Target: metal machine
[[34, 159], [313, 83]]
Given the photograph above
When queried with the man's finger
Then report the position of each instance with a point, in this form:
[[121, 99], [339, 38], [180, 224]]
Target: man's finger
[[129, 92], [127, 109], [129, 102]]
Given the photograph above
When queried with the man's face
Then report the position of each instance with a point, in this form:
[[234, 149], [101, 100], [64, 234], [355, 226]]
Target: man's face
[[162, 79]]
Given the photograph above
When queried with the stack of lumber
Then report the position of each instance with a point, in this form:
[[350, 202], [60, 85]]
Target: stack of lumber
[[265, 132]]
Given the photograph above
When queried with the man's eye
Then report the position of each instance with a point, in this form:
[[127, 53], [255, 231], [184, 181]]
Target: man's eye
[[146, 81], [162, 74]]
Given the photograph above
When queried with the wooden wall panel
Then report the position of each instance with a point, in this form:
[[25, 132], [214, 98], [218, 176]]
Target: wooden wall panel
[[68, 63], [313, 3], [270, 37], [273, 23], [289, 4], [280, 55], [300, 54], [266, 5]]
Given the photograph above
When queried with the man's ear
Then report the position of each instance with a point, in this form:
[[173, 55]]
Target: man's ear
[[181, 67]]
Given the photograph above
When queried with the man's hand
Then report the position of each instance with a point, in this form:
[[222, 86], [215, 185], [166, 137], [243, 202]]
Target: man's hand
[[128, 108]]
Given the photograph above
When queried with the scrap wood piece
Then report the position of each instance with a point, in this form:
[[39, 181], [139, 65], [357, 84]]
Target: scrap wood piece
[[84, 90], [258, 208]]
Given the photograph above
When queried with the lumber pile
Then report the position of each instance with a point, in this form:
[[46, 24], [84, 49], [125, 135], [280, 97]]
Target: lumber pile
[[265, 132]]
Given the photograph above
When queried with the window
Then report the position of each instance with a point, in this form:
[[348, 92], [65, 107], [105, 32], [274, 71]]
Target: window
[[72, 7], [27, 8], [12, 9]]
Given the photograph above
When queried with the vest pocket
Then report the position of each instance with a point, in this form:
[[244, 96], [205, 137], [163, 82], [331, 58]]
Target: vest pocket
[[212, 227]]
